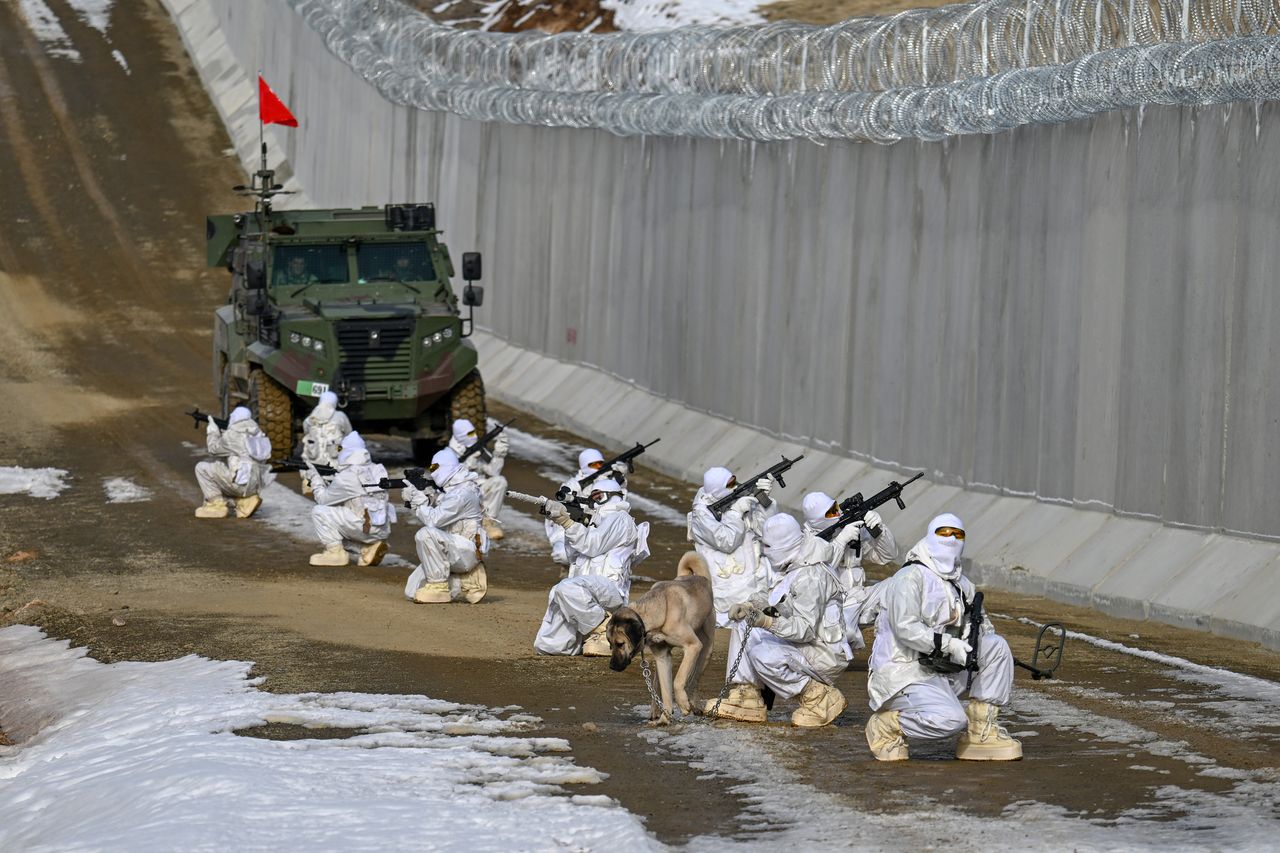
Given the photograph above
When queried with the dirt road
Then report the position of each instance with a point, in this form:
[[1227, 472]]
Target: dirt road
[[110, 165]]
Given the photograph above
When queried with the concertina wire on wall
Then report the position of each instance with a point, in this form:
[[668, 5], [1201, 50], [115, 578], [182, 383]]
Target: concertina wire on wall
[[923, 74]]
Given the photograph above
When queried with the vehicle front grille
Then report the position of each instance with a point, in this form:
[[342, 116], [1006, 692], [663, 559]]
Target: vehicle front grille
[[376, 350]]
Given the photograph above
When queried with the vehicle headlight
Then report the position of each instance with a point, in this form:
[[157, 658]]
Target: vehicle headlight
[[426, 342], [306, 341], [437, 337], [319, 345], [294, 337], [448, 333]]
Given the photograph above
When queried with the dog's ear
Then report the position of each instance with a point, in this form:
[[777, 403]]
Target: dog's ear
[[634, 629]]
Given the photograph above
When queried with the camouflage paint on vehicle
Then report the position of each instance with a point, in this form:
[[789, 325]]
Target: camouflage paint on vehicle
[[359, 302]]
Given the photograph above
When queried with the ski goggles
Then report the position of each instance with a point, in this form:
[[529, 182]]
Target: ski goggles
[[950, 533]]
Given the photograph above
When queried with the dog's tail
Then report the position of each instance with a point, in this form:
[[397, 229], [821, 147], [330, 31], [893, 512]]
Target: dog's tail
[[693, 564]]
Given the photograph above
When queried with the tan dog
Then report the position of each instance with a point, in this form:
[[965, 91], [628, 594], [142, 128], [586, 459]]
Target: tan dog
[[673, 613]]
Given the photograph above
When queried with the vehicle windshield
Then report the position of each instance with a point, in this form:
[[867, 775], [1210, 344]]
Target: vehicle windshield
[[309, 265], [394, 262]]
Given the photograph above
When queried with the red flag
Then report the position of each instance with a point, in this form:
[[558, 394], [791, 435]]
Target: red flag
[[271, 110]]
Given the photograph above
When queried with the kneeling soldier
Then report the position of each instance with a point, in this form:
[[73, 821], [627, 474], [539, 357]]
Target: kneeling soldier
[[923, 619]]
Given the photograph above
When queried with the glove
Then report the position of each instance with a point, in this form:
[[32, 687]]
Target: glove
[[558, 514], [211, 428], [872, 520], [620, 468], [764, 485], [957, 649], [754, 617], [744, 505], [501, 444], [414, 496], [848, 533]]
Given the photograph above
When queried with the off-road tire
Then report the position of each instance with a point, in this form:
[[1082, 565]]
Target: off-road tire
[[466, 400], [273, 410]]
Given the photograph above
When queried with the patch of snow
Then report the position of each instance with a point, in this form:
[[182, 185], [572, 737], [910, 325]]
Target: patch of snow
[[121, 490], [45, 483], [796, 816], [120, 60], [648, 15], [47, 29], [143, 756], [95, 13]]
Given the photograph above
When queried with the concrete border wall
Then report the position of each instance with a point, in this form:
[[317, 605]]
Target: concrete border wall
[[1068, 327]]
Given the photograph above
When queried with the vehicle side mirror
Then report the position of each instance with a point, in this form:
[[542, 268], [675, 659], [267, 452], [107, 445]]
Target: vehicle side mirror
[[255, 274], [473, 294], [471, 267]]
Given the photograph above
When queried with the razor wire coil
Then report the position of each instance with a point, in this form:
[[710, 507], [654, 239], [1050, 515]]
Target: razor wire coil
[[925, 74]]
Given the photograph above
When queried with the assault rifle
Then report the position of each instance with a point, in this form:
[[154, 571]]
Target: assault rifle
[[856, 508], [416, 477], [198, 417], [627, 456], [576, 510], [479, 446], [748, 488], [940, 662], [292, 464]]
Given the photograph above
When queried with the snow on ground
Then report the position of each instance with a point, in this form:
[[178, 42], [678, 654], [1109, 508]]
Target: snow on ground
[[142, 756], [46, 27], [120, 60], [800, 817], [45, 483], [644, 15], [95, 13], [121, 490]]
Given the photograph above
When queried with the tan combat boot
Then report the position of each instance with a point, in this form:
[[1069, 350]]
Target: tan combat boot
[[884, 736], [306, 487], [372, 554], [492, 529], [332, 555], [212, 509], [473, 585], [819, 704], [986, 739], [743, 703], [596, 645], [246, 507], [433, 593]]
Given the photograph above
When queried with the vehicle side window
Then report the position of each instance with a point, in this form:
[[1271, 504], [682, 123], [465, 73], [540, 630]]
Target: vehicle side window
[[394, 262], [309, 265]]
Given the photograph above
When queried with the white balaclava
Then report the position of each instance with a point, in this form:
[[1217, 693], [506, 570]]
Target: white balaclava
[[353, 456], [327, 406], [585, 458], [816, 506], [462, 429], [328, 398], [353, 441], [446, 465], [783, 540], [715, 483], [944, 550], [612, 492], [238, 414]]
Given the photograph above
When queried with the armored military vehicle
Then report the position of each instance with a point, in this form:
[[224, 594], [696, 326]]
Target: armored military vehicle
[[358, 302]]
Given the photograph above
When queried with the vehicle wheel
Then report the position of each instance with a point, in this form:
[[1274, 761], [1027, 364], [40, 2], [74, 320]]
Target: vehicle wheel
[[467, 401], [273, 410]]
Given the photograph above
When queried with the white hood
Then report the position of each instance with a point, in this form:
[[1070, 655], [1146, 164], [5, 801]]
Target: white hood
[[715, 483], [941, 554], [816, 506], [783, 541]]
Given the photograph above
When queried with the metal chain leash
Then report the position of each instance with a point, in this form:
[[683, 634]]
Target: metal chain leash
[[733, 670], [647, 674]]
